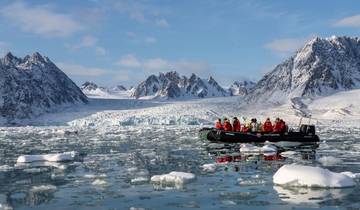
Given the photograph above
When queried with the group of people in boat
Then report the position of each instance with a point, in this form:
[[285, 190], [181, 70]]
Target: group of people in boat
[[279, 126]]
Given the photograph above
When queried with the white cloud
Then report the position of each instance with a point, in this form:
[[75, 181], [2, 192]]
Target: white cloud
[[162, 23], [352, 21], [129, 61], [154, 65], [150, 40], [286, 46], [40, 20], [88, 41], [80, 70]]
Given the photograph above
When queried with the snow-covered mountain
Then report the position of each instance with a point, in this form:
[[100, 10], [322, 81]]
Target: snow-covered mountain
[[94, 91], [322, 67], [241, 88], [33, 85], [172, 85]]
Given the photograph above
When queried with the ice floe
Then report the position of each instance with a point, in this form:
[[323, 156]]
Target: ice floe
[[209, 167], [174, 177], [58, 157], [250, 148], [307, 176], [42, 188]]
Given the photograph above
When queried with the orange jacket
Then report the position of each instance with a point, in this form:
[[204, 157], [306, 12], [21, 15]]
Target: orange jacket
[[218, 125], [267, 127], [227, 126], [236, 126]]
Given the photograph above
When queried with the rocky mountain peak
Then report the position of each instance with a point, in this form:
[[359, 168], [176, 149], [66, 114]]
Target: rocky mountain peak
[[172, 85], [323, 66]]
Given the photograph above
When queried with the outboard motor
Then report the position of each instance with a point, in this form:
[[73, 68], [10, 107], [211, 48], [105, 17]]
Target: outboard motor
[[307, 129]]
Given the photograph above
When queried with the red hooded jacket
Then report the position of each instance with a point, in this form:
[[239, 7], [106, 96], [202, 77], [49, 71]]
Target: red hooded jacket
[[227, 126], [236, 125]]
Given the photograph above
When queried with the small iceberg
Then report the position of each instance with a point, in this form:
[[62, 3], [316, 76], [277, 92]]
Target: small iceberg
[[307, 176], [57, 157], [210, 167], [249, 148], [175, 177]]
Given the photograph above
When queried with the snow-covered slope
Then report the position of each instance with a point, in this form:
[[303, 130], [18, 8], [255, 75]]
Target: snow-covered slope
[[92, 90], [33, 85], [241, 88], [322, 67], [172, 85]]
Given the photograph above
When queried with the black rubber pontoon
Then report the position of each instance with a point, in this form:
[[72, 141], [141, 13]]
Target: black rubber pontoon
[[306, 133]]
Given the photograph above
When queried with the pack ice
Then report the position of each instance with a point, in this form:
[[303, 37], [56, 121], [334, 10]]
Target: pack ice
[[57, 157]]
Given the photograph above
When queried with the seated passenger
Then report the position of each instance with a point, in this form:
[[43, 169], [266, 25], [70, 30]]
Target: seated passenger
[[282, 126], [218, 124], [254, 125], [277, 126], [246, 128], [267, 127], [236, 124], [227, 125]]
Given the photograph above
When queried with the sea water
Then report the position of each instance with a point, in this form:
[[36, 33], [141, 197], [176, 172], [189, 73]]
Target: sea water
[[116, 163]]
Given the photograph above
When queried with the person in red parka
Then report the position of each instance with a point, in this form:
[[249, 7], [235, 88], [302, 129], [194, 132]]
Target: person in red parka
[[227, 125], [277, 126], [236, 124], [282, 126], [267, 127], [218, 124]]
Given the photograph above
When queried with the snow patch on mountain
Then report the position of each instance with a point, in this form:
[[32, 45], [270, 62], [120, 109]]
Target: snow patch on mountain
[[92, 90], [241, 88], [322, 67], [33, 85], [171, 85]]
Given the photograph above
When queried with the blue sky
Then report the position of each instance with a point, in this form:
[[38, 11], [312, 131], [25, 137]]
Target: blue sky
[[122, 42]]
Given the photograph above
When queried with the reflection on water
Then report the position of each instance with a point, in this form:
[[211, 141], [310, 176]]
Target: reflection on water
[[310, 195]]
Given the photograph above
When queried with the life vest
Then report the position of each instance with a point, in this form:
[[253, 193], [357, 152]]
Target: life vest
[[227, 126], [236, 126], [218, 125], [267, 126]]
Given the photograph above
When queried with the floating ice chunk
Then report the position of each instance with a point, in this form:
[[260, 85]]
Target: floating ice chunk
[[139, 180], [58, 157], [249, 148], [210, 167], [351, 175], [308, 176], [289, 154], [99, 182], [329, 161], [174, 177], [92, 176], [269, 148], [4, 168], [42, 188]]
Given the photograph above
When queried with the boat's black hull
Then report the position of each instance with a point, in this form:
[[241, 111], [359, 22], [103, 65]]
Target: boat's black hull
[[239, 137]]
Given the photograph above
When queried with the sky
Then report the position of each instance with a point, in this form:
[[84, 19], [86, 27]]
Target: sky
[[114, 42]]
